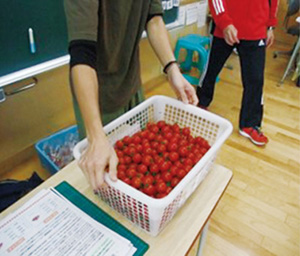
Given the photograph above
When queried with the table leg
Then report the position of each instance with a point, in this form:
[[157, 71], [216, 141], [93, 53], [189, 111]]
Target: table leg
[[202, 239]]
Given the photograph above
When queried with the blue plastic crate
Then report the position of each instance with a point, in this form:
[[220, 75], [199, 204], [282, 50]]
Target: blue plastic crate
[[48, 147]]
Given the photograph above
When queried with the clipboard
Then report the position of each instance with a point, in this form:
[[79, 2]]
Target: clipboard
[[96, 213]]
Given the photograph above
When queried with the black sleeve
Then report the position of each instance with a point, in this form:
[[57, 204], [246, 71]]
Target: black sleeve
[[152, 16], [83, 52]]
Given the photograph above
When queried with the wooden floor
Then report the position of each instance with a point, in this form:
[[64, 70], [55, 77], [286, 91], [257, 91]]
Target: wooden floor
[[260, 213]]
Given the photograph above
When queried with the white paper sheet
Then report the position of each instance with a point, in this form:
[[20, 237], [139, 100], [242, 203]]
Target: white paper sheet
[[48, 224], [202, 13], [181, 15], [191, 13]]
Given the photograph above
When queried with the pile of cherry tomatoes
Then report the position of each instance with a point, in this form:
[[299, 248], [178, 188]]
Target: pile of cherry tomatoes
[[157, 158]]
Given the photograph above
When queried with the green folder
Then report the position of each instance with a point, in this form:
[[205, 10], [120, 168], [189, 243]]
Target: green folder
[[96, 213]]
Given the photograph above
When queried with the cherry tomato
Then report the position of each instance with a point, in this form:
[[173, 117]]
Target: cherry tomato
[[141, 168], [130, 173], [147, 150], [176, 128], [127, 159], [127, 180], [174, 181], [132, 166], [119, 144], [147, 160], [139, 148], [154, 168], [136, 182], [144, 133], [169, 189], [137, 158], [188, 161], [173, 156], [169, 135], [159, 138], [121, 175], [149, 190], [183, 151], [166, 176], [127, 140], [159, 160], [119, 153], [151, 136], [166, 129], [121, 167], [131, 151], [165, 166], [183, 142], [161, 148], [148, 180], [181, 173], [161, 187], [154, 144], [136, 139], [161, 124], [173, 170], [154, 128], [186, 131], [172, 146]]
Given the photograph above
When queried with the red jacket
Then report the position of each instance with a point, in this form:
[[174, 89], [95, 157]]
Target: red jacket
[[250, 17]]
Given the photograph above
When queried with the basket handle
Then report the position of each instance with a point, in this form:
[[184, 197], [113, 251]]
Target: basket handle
[[78, 149]]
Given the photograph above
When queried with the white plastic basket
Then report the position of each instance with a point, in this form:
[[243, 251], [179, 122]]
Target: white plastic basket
[[148, 213]]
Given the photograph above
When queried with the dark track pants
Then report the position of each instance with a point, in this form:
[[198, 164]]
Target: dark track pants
[[252, 61]]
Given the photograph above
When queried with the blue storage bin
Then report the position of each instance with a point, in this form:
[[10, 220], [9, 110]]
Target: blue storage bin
[[56, 150]]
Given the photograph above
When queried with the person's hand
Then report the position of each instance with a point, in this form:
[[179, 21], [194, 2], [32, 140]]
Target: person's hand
[[230, 35], [270, 38], [183, 89], [96, 158]]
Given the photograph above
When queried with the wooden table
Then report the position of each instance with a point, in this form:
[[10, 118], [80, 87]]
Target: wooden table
[[180, 233]]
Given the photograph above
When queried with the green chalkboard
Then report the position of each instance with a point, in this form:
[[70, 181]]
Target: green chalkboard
[[47, 20]]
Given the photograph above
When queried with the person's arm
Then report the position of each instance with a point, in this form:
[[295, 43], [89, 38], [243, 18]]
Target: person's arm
[[218, 9], [99, 153], [82, 20], [159, 40], [272, 22]]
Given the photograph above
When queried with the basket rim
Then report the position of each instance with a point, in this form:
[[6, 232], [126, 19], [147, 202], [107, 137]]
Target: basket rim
[[154, 202]]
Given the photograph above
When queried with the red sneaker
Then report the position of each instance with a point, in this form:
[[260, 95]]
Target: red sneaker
[[255, 135]]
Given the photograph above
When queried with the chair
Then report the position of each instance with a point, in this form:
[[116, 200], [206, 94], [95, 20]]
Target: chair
[[293, 8], [193, 44]]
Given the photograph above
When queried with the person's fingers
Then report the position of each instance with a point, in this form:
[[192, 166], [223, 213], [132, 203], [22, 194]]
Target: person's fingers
[[270, 41], [228, 39], [193, 99], [235, 38], [98, 175], [183, 96], [113, 162], [88, 170]]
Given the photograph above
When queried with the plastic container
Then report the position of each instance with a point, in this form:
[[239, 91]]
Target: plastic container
[[148, 213], [56, 150]]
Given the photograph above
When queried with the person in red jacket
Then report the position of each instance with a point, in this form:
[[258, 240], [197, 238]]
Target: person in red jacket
[[247, 26]]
